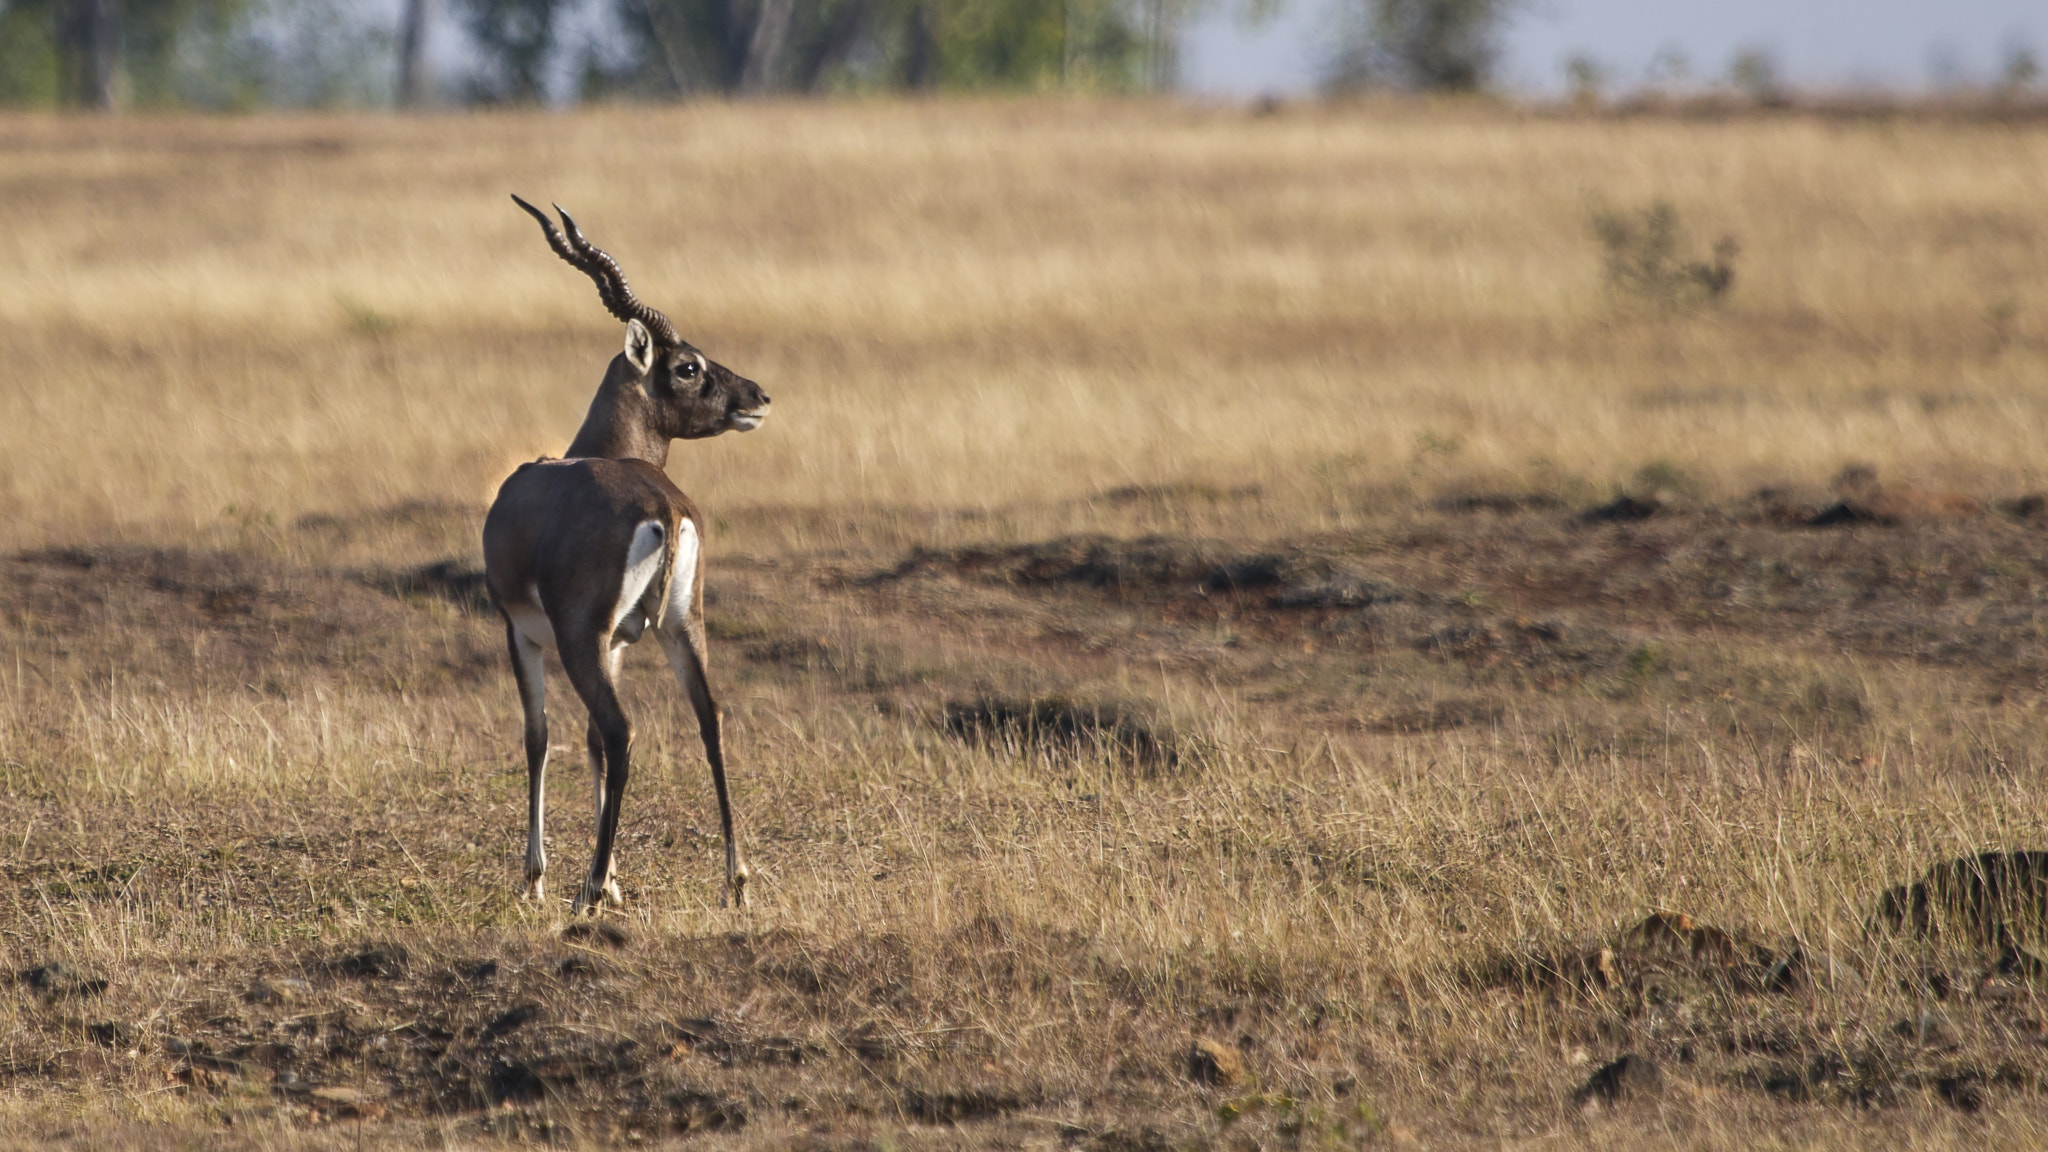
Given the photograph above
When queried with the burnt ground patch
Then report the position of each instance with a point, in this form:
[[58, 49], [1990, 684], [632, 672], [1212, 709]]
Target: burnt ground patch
[[1062, 727], [1135, 567], [458, 583], [192, 618], [1545, 588]]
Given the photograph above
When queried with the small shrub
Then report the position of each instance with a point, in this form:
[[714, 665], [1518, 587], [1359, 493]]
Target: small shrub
[[1659, 477], [1999, 317], [1645, 661], [366, 320], [1640, 252]]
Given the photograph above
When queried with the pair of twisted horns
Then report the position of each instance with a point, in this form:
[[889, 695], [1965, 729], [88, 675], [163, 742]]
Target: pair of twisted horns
[[593, 262]]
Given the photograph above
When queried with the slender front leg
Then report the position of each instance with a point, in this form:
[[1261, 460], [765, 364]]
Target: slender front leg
[[683, 642], [527, 669]]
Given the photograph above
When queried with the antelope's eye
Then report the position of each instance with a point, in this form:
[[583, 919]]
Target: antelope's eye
[[688, 371]]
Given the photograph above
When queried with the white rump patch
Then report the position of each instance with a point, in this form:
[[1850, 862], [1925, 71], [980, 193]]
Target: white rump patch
[[646, 559]]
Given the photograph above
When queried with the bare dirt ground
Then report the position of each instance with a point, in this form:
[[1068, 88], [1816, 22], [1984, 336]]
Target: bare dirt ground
[[369, 966]]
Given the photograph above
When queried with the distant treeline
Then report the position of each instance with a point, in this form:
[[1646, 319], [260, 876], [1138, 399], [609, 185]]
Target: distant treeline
[[112, 54], [299, 53]]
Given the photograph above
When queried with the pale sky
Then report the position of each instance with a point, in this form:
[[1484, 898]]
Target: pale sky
[[1902, 45], [1907, 45]]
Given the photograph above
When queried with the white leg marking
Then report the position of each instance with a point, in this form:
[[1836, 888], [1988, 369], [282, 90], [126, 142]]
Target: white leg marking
[[610, 887], [683, 584], [532, 624], [533, 675]]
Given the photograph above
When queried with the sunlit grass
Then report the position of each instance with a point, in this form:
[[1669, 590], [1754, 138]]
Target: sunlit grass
[[1008, 307]]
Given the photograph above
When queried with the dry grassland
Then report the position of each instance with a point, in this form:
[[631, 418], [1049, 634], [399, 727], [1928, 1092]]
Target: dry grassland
[[1181, 599]]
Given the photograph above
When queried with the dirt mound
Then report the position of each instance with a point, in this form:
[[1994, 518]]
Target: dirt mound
[[1180, 492], [1630, 1077], [1499, 503], [1711, 991], [1863, 499], [1623, 510], [1102, 562], [1344, 590], [1547, 651], [1288, 577], [1996, 899], [1061, 727], [1665, 950]]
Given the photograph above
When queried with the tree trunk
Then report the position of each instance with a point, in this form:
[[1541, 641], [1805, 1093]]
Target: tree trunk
[[920, 64], [1157, 64], [412, 46], [765, 48], [91, 36], [830, 49]]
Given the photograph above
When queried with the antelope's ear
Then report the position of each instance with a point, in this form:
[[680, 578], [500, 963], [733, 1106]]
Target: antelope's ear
[[639, 346]]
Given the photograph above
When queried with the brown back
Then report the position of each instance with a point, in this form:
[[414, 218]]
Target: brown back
[[535, 555]]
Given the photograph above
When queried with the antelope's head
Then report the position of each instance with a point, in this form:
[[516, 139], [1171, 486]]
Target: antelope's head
[[690, 396]]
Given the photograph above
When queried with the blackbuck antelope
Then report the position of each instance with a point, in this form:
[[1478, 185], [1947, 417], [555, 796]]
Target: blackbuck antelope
[[586, 554]]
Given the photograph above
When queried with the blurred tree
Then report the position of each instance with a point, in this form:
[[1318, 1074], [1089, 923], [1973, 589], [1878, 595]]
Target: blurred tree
[[29, 73], [764, 46], [281, 53], [412, 48], [2019, 71], [1585, 79], [103, 53], [248, 53], [90, 35], [744, 46], [1420, 45], [1754, 73], [152, 35], [515, 41]]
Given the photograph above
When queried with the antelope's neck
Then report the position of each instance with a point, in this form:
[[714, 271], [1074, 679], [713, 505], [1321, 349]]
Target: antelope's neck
[[620, 426]]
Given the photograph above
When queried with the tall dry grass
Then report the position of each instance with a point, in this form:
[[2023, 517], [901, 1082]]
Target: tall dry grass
[[1007, 307], [318, 343]]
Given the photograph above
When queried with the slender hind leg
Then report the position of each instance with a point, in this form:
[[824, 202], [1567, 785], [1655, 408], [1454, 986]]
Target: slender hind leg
[[682, 640], [589, 667], [593, 751], [527, 669]]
